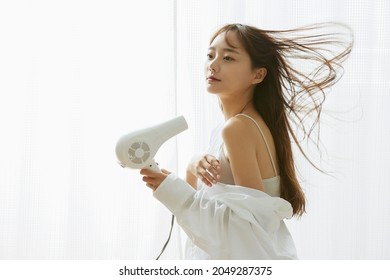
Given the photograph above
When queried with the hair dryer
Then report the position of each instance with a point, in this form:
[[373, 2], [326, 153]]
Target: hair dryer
[[137, 149]]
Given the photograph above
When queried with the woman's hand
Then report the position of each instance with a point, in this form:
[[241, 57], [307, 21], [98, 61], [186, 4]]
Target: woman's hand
[[152, 178], [206, 168]]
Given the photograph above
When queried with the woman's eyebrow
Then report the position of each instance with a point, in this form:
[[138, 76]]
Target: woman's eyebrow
[[226, 50]]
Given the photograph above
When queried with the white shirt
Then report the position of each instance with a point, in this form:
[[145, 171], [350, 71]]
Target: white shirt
[[229, 222]]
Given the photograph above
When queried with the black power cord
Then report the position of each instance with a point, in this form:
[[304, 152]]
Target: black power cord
[[169, 237]]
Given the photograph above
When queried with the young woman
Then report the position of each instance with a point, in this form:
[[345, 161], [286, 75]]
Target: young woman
[[268, 84]]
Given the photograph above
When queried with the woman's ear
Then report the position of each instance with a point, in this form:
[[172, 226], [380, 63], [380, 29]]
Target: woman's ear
[[260, 74]]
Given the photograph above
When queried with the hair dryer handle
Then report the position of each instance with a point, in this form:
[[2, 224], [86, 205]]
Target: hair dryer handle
[[153, 166]]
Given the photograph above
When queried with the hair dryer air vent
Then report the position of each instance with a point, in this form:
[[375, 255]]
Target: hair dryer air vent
[[139, 152]]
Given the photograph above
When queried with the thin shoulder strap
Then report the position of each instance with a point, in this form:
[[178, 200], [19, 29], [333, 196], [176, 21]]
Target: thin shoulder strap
[[265, 141]]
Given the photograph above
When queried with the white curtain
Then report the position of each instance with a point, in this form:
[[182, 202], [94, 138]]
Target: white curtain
[[76, 75]]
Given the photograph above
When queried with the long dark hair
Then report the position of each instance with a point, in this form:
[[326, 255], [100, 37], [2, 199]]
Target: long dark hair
[[301, 64]]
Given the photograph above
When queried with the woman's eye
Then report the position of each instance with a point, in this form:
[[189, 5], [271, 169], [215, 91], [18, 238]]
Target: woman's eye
[[209, 56], [228, 58]]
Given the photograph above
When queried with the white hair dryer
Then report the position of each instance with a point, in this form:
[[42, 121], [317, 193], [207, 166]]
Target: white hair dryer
[[136, 150]]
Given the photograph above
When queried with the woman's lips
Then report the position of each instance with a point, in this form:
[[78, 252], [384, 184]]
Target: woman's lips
[[213, 79]]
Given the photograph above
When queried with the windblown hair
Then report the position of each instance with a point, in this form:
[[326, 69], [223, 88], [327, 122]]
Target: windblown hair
[[301, 65]]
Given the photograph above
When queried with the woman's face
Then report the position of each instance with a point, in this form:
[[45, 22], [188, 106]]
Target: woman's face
[[228, 70]]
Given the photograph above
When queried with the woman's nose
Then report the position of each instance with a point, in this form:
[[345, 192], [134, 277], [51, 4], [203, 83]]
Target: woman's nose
[[213, 65]]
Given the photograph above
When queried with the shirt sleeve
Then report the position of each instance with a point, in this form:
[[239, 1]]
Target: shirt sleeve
[[173, 193], [205, 221], [223, 227]]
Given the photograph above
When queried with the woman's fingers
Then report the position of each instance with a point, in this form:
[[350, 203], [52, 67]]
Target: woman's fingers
[[152, 178], [208, 170], [214, 170], [206, 176], [212, 167], [213, 162], [148, 172], [165, 171]]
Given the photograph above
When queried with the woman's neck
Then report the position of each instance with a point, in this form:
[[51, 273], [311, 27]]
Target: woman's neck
[[232, 107]]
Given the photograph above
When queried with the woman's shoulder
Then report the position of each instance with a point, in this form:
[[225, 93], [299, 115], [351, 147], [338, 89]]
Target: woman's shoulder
[[238, 127], [233, 125], [234, 130]]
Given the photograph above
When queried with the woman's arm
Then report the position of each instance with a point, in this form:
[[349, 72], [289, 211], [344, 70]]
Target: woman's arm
[[240, 148]]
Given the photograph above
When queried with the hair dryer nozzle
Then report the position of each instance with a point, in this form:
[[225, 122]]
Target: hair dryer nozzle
[[137, 149]]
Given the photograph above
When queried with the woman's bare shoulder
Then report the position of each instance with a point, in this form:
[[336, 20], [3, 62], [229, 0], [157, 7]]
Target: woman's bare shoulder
[[237, 128]]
